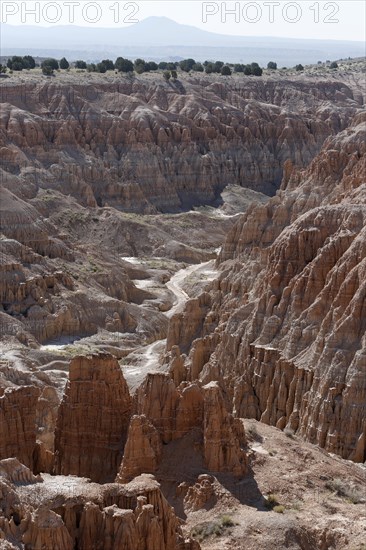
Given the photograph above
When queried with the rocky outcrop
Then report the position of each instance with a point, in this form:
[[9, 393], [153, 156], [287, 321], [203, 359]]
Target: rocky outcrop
[[223, 435], [18, 423], [45, 529], [151, 524], [93, 419], [143, 450], [15, 472], [185, 327], [201, 494], [39, 513], [173, 411], [176, 411]]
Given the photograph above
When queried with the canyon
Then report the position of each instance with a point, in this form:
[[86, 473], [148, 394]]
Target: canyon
[[183, 312]]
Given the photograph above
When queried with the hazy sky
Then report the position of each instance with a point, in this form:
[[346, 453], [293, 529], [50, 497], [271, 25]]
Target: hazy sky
[[342, 20]]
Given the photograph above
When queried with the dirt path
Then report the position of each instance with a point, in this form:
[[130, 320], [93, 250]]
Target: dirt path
[[146, 358]]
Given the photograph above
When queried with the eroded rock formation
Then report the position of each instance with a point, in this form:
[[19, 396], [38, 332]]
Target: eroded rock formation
[[142, 451], [173, 412], [223, 435], [18, 423], [93, 419], [39, 513], [288, 338]]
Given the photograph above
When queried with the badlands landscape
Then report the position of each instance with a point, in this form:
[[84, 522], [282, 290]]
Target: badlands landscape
[[183, 311]]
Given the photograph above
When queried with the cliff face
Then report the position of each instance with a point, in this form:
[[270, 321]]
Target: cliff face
[[288, 315], [18, 423], [92, 419], [105, 142]]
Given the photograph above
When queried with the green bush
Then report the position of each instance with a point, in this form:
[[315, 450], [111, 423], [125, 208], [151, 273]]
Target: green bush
[[80, 64], [272, 65], [123, 65], [225, 70], [50, 62], [47, 70], [187, 64], [64, 64]]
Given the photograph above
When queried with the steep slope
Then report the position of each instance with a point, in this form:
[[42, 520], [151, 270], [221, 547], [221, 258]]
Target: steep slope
[[285, 334]]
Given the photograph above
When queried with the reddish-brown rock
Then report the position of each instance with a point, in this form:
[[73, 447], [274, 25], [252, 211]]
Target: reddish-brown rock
[[93, 419], [289, 338], [143, 450], [223, 435], [46, 529], [173, 411], [18, 423]]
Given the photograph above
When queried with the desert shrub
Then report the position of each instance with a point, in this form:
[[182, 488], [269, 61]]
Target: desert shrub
[[205, 530], [124, 65], [50, 62], [212, 528], [227, 521], [271, 501], [343, 489], [279, 509], [289, 433], [253, 431]]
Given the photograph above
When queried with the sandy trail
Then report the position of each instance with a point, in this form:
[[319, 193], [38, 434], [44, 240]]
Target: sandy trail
[[204, 271], [147, 357]]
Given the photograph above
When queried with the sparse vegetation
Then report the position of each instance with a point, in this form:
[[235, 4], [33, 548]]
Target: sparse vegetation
[[279, 509], [271, 501], [227, 521], [212, 528], [253, 431], [289, 432], [345, 490]]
